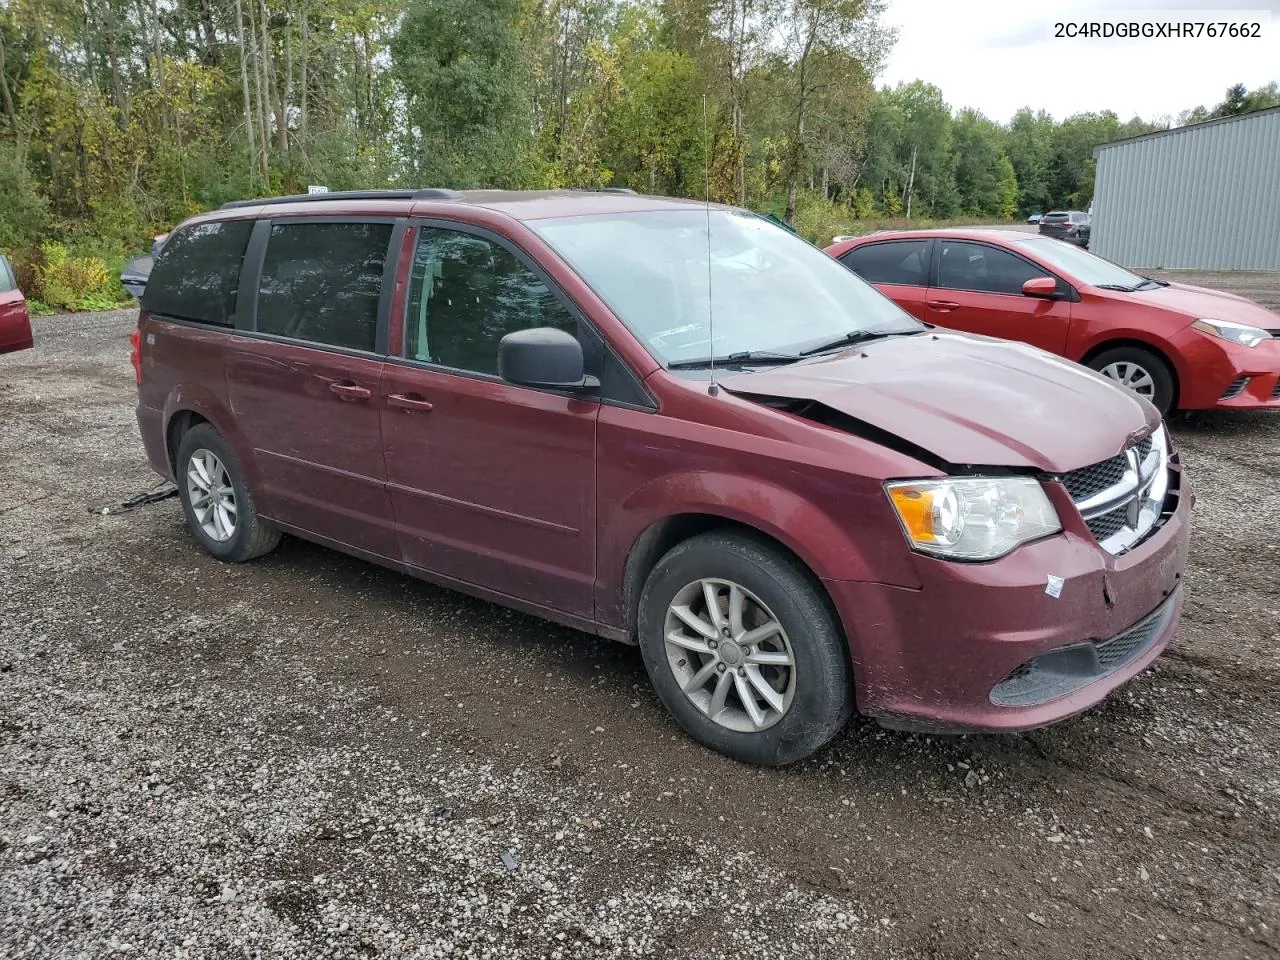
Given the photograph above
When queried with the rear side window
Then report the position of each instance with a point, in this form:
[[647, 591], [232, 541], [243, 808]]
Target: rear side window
[[976, 266], [465, 294], [197, 275], [899, 261], [322, 282], [7, 281]]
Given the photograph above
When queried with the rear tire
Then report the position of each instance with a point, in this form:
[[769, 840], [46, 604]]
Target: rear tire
[[216, 500], [772, 640], [1141, 371]]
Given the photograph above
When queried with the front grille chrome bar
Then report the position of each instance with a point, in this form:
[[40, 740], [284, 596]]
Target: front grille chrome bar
[[1121, 514]]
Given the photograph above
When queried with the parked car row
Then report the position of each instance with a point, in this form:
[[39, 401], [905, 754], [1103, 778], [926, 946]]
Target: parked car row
[[686, 428], [1178, 346]]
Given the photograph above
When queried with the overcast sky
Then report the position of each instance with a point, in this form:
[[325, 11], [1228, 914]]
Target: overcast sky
[[997, 56]]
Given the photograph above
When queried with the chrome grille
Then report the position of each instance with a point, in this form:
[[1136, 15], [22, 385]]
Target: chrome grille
[[1108, 525], [1275, 394], [1087, 481], [1122, 498]]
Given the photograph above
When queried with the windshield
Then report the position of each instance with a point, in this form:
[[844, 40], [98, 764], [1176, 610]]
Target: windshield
[[1081, 264], [765, 290]]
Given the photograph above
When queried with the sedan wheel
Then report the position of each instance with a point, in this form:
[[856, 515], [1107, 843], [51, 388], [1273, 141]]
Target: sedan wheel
[[1131, 377], [212, 497], [730, 655]]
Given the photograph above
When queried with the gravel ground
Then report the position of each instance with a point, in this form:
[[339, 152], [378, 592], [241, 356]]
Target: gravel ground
[[309, 756]]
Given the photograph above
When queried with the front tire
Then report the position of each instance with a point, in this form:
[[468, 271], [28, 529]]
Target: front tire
[[744, 650], [219, 508], [1139, 371]]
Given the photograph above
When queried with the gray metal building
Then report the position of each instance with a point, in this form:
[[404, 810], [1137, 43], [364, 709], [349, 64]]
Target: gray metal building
[[1204, 196]]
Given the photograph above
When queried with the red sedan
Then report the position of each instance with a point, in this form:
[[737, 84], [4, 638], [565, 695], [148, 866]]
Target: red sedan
[[15, 322], [1179, 346]]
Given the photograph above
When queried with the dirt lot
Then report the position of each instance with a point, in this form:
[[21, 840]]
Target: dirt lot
[[312, 757]]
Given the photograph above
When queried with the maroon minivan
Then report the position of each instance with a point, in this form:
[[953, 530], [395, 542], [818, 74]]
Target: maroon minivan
[[676, 426]]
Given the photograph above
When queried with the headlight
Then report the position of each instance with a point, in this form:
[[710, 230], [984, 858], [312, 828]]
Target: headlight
[[1240, 333], [978, 518]]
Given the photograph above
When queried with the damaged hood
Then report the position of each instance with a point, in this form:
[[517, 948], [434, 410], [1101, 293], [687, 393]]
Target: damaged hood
[[969, 401]]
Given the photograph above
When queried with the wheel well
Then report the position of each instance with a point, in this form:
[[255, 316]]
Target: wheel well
[[1102, 348], [653, 544], [179, 424]]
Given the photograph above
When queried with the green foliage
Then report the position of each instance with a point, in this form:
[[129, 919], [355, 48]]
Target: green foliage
[[23, 211], [127, 118], [1238, 100], [819, 219], [1029, 146], [461, 64], [863, 203], [981, 166], [68, 282], [63, 280], [1006, 189]]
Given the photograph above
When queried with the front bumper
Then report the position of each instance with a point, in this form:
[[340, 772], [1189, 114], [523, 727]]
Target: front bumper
[[1216, 374], [932, 659]]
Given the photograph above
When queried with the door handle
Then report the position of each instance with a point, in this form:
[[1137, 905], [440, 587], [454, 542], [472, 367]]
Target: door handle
[[943, 306], [350, 391], [408, 402]]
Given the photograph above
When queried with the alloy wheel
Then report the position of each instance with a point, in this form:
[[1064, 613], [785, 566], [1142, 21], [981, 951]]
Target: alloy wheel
[[730, 655], [212, 496]]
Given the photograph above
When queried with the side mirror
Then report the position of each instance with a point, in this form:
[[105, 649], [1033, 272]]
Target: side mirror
[[1045, 287], [543, 357]]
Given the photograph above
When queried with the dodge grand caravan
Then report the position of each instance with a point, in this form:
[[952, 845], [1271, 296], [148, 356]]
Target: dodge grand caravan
[[672, 425]]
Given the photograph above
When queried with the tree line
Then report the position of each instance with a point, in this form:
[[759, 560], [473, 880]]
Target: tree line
[[121, 117]]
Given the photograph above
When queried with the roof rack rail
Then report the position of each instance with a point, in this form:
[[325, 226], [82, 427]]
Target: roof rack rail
[[626, 190], [429, 193]]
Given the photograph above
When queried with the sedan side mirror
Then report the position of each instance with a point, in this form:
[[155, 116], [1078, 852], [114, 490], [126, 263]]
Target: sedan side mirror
[[543, 357], [1045, 287]]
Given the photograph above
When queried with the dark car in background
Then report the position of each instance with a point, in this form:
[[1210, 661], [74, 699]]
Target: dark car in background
[[1070, 225], [135, 273], [15, 321], [818, 505]]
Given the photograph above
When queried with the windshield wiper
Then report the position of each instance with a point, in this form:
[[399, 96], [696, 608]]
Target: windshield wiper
[[735, 360], [1147, 283], [1116, 286], [854, 336]]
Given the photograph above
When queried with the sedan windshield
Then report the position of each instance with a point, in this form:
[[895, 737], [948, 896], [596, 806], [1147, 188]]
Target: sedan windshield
[[764, 290], [1082, 265]]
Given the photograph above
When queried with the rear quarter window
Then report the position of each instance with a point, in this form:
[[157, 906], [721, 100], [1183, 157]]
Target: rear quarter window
[[197, 274]]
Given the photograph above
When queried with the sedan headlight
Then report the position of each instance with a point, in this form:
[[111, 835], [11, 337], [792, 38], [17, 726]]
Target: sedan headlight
[[979, 518], [1240, 333]]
